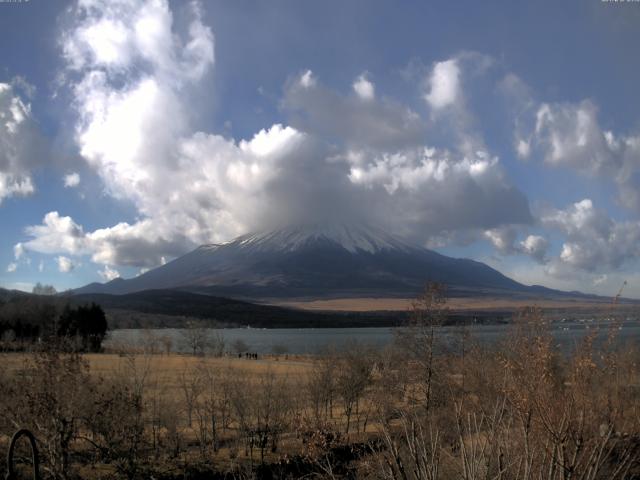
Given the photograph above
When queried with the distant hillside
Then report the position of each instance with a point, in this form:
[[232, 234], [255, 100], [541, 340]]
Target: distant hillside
[[218, 311], [6, 295]]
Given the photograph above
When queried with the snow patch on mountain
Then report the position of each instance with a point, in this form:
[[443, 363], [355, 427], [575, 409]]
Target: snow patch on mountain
[[353, 238]]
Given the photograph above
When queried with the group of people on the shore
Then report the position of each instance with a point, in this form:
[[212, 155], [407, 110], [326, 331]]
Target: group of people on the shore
[[251, 356]]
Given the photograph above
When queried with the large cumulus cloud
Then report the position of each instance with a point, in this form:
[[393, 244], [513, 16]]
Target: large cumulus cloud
[[359, 155]]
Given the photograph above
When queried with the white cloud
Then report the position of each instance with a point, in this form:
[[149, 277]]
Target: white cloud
[[19, 143], [427, 192], [145, 112], [523, 148], [12, 267], [380, 124], [447, 86], [108, 273], [411, 169], [15, 185], [536, 247], [115, 34], [123, 244], [237, 180], [307, 80], [57, 234], [580, 219], [131, 72], [593, 241], [65, 264], [18, 251], [71, 180], [503, 239], [142, 243], [521, 106], [268, 142], [569, 135], [364, 88], [444, 84]]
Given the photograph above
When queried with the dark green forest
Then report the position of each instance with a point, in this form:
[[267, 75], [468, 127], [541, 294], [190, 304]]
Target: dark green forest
[[27, 320]]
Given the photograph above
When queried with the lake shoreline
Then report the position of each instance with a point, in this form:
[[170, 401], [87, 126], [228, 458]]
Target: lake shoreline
[[316, 340]]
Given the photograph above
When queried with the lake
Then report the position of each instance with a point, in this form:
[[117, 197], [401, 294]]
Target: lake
[[316, 340]]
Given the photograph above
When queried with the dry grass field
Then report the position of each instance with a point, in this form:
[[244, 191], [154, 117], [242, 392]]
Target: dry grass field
[[167, 368], [461, 304], [179, 394]]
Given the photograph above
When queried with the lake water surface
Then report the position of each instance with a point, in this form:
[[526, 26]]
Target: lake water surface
[[315, 340]]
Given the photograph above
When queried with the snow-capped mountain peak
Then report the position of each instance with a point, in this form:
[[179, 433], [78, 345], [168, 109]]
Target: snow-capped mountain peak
[[314, 260], [353, 238]]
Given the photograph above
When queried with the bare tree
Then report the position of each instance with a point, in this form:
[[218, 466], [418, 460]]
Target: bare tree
[[167, 344], [196, 337], [40, 289], [420, 338], [354, 375], [117, 426], [212, 407], [52, 402], [217, 344], [190, 381], [321, 388]]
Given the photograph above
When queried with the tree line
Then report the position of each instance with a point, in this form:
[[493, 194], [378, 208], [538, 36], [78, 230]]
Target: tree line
[[26, 320]]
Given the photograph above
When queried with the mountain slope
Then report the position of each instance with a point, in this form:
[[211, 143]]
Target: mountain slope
[[316, 260], [172, 307]]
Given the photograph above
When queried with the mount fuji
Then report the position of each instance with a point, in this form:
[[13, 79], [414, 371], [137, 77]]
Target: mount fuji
[[317, 260]]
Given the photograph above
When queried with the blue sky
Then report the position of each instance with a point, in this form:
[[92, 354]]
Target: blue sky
[[131, 132]]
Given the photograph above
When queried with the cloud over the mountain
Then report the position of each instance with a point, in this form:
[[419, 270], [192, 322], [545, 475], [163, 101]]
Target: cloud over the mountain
[[107, 273], [133, 73], [424, 190], [381, 124]]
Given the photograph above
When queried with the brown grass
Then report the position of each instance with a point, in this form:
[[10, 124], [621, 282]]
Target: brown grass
[[167, 368], [369, 304]]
